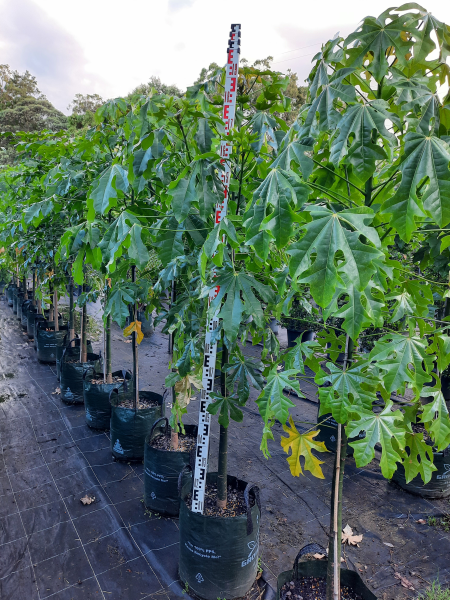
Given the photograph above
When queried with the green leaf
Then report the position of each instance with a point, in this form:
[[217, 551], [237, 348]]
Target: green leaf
[[374, 37], [359, 122], [313, 257], [381, 429], [244, 370], [136, 249], [426, 158], [436, 419], [233, 286], [104, 191], [140, 161], [272, 402], [402, 359], [183, 194], [295, 152], [228, 406], [169, 240], [204, 135], [346, 390], [419, 460], [119, 299]]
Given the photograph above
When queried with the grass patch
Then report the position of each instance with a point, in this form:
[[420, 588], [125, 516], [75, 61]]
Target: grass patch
[[440, 522], [93, 328], [435, 592]]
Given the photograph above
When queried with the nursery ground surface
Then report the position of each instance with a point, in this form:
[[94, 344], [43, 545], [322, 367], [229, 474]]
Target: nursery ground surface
[[54, 546]]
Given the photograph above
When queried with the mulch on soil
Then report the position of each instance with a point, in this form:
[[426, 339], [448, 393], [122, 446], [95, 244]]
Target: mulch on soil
[[186, 443], [312, 588], [235, 502]]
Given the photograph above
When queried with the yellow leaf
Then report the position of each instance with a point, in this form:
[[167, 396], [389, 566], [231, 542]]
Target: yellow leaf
[[183, 389], [302, 444], [135, 326], [108, 281]]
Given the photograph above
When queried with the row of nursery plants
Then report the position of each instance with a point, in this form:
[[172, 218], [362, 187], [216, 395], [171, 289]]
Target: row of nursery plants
[[337, 224]]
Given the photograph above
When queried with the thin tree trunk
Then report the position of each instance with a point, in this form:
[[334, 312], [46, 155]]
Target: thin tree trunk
[[33, 301], [108, 350], [17, 277], [71, 314], [174, 441], [51, 314], [55, 308], [222, 471], [334, 545], [135, 349], [83, 343], [39, 302], [25, 291]]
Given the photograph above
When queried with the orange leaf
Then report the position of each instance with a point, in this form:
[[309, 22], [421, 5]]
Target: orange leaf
[[135, 326]]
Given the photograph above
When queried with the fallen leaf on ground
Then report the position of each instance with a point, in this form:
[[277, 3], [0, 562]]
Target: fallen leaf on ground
[[126, 341], [349, 538], [421, 521], [57, 391], [87, 499], [318, 556], [405, 583], [388, 544]]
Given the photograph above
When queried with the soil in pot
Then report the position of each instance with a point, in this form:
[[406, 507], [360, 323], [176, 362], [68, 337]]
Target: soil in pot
[[96, 395], [236, 505], [219, 555], [313, 588], [307, 573], [163, 464]]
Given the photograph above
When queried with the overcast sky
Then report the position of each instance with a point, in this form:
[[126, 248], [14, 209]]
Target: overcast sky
[[108, 47]]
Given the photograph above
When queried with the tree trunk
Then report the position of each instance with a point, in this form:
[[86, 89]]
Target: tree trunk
[[135, 349], [17, 277], [25, 291], [335, 545], [222, 471], [39, 302], [108, 357], [174, 441], [71, 314], [55, 308], [51, 314], [83, 343], [33, 301]]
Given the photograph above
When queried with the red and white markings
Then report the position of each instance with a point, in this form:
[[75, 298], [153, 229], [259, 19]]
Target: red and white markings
[[209, 361]]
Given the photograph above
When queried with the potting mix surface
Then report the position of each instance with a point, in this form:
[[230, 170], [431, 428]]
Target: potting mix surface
[[235, 507], [54, 545], [312, 588], [186, 443]]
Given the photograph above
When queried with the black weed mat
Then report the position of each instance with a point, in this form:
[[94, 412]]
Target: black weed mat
[[54, 546]]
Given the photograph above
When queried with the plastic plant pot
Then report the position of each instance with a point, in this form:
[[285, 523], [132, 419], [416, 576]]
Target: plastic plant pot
[[15, 292], [75, 343], [318, 568], [31, 315], [9, 293], [96, 398], [25, 308], [129, 428], [19, 302], [219, 555], [162, 469], [72, 371], [439, 484], [48, 339], [292, 335]]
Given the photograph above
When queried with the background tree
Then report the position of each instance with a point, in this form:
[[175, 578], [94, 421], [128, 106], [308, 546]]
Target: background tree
[[23, 107], [144, 89], [83, 108]]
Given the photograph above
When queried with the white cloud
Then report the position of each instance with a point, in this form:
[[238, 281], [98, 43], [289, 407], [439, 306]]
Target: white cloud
[[119, 45]]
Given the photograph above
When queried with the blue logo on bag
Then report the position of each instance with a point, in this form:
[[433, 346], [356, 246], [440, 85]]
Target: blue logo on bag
[[118, 448]]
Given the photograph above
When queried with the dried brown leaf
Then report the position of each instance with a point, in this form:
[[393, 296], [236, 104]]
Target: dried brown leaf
[[404, 582], [349, 538], [87, 499]]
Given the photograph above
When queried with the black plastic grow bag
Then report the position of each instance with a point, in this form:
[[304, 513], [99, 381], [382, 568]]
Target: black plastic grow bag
[[129, 428], [47, 341], [72, 374], [60, 349], [10, 293], [439, 484], [327, 427], [96, 398], [15, 292], [292, 335], [25, 308], [161, 471], [31, 315], [219, 556], [19, 302], [37, 319], [318, 568]]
